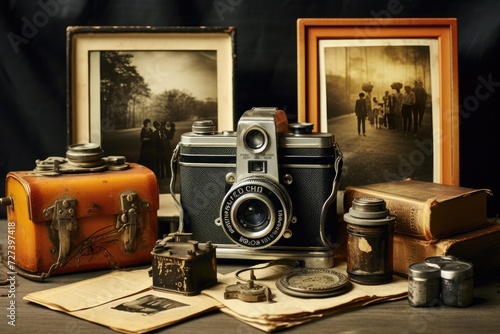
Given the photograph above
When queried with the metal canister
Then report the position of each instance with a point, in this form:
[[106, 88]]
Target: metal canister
[[424, 283], [370, 232], [457, 284]]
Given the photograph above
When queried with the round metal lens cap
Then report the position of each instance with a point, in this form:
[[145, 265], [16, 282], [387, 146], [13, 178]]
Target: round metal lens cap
[[313, 283]]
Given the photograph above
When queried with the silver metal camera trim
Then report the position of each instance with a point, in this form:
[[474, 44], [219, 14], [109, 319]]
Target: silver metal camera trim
[[312, 257], [266, 121], [320, 140], [228, 139], [219, 139]]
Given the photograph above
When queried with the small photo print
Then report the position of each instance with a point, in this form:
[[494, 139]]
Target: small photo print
[[149, 305]]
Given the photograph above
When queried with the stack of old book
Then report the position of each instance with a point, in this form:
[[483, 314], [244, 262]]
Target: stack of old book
[[436, 219]]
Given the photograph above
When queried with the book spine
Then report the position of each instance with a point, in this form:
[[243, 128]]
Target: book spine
[[408, 250], [412, 217]]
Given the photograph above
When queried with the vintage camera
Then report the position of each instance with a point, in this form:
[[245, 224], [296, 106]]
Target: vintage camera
[[266, 191]]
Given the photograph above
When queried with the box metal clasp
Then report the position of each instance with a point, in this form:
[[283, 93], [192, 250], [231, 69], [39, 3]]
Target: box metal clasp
[[130, 219], [64, 222]]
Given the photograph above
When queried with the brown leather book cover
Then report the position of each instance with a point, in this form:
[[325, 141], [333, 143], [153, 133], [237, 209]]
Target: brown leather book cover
[[427, 210], [480, 247]]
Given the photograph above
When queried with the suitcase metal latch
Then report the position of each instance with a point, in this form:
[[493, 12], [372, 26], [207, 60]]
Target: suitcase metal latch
[[64, 222], [129, 220]]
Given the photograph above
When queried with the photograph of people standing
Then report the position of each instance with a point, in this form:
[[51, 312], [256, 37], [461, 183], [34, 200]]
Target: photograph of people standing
[[360, 110], [143, 113], [408, 110], [397, 81]]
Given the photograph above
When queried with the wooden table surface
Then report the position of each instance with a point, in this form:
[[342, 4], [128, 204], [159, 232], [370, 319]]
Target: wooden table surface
[[391, 317]]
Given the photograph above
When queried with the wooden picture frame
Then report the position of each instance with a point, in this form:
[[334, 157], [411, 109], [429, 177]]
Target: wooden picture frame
[[119, 77], [318, 43]]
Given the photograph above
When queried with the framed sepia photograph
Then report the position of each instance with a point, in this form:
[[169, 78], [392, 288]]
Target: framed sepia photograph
[[388, 90], [135, 90]]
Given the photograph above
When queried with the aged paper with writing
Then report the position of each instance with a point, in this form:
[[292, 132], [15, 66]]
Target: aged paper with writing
[[120, 300], [93, 291]]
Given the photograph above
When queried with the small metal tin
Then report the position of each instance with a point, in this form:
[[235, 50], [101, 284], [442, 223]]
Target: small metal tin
[[370, 231], [457, 284], [183, 265], [424, 284]]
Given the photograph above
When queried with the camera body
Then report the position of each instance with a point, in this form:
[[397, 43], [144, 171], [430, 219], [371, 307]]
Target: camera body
[[266, 191]]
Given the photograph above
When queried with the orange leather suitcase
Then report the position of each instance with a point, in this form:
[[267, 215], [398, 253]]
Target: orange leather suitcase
[[81, 221]]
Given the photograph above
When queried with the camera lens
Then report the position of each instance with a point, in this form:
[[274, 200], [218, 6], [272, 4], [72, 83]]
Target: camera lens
[[255, 140], [253, 214], [256, 212]]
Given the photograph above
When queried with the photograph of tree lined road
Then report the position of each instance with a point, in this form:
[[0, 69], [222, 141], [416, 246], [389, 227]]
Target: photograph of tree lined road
[[164, 86]]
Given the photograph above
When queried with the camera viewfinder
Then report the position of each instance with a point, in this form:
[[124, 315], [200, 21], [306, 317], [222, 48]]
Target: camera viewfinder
[[257, 166], [256, 140]]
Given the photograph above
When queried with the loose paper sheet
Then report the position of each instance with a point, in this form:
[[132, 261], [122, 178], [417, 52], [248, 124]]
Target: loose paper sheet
[[127, 315], [94, 291]]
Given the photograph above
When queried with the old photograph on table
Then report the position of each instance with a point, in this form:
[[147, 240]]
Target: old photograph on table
[[135, 90], [388, 91]]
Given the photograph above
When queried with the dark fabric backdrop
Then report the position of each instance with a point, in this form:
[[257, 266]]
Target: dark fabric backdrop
[[33, 76]]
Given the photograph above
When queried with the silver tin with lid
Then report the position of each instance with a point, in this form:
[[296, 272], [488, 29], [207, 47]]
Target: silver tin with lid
[[424, 283], [457, 284]]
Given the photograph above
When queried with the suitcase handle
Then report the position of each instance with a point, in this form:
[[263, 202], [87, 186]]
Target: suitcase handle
[[6, 201]]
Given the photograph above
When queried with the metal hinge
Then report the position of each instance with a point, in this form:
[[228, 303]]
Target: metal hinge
[[129, 219]]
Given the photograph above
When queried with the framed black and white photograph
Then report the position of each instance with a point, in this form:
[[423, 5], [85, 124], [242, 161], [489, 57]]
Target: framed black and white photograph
[[387, 90], [135, 90]]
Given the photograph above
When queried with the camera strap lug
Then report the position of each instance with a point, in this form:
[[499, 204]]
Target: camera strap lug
[[129, 219], [174, 164], [64, 222], [332, 197]]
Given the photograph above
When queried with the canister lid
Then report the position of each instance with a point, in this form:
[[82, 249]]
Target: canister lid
[[423, 270], [457, 269], [369, 211], [440, 261], [203, 127]]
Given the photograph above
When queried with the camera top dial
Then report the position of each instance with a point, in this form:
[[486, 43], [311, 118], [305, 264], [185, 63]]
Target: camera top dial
[[301, 128]]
